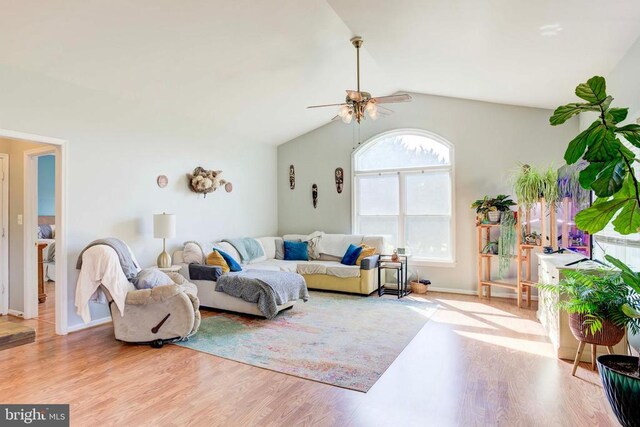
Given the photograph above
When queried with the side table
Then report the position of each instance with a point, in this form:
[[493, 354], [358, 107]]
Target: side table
[[401, 268]]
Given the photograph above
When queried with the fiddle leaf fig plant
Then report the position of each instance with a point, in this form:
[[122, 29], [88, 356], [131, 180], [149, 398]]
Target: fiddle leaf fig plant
[[609, 172]]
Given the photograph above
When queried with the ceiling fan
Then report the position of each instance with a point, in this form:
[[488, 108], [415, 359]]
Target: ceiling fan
[[359, 104]]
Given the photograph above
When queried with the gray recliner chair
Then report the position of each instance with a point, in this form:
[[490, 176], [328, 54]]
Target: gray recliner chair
[[159, 315]]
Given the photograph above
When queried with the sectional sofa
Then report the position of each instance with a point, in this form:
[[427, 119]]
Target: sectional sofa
[[322, 271]]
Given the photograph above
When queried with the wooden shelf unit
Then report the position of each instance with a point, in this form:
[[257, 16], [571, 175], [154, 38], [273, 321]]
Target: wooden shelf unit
[[484, 263], [526, 251]]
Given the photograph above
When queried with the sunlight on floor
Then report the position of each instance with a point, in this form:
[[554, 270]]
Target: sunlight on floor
[[537, 348]]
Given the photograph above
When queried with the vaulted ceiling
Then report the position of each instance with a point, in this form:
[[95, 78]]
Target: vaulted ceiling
[[251, 67]]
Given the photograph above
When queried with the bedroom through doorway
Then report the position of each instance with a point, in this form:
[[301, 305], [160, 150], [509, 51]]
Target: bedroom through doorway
[[30, 276]]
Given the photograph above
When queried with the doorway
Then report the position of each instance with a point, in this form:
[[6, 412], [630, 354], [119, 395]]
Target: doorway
[[34, 228]]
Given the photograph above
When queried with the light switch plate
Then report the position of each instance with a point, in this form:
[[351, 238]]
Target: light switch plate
[[20, 219]]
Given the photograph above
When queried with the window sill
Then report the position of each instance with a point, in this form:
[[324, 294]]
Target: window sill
[[430, 263]]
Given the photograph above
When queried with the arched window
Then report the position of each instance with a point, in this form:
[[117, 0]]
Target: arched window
[[403, 188]]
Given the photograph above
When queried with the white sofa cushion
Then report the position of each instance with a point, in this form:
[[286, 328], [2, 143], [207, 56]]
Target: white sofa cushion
[[229, 249], [192, 253], [336, 244], [313, 240], [269, 247], [378, 242]]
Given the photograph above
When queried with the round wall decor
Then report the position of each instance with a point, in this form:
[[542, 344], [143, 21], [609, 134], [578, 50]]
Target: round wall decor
[[162, 181]]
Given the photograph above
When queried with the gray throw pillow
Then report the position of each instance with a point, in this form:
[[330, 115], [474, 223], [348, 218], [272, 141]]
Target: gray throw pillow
[[279, 247], [150, 278]]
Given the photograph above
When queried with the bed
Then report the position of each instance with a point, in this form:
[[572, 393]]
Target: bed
[[46, 237]]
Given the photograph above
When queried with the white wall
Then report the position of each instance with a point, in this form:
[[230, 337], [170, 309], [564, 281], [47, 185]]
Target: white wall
[[489, 140], [117, 149]]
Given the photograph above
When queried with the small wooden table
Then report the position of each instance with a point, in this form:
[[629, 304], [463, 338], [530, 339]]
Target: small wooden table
[[42, 295]]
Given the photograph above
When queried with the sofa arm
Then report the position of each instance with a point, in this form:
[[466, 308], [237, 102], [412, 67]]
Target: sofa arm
[[370, 262]]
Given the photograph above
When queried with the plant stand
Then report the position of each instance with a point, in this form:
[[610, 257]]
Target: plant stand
[[526, 250], [594, 349], [485, 281]]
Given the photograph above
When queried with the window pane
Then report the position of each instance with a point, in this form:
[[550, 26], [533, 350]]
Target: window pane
[[380, 226], [428, 193], [403, 151], [428, 237], [378, 195]]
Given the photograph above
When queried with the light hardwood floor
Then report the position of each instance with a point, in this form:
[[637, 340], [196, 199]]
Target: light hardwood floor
[[476, 362]]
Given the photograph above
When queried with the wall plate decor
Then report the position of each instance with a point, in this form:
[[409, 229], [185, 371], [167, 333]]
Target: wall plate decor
[[314, 195], [228, 187], [162, 181], [339, 179], [205, 181], [292, 177]]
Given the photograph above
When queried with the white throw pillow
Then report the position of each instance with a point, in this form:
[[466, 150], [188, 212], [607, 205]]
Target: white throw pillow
[[268, 246], [192, 253], [230, 250]]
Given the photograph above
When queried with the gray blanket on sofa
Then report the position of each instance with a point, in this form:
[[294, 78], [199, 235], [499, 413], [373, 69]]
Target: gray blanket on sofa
[[266, 288]]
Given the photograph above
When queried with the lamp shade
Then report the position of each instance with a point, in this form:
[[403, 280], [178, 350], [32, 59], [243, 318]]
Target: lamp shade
[[164, 226]]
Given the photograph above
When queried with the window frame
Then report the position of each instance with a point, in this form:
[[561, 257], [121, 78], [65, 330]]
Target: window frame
[[402, 173]]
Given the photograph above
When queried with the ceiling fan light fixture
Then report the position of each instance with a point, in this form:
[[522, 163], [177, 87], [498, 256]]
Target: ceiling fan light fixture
[[372, 110]]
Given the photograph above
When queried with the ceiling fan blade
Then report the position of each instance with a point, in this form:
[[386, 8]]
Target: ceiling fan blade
[[326, 105], [354, 95], [403, 97], [384, 111]]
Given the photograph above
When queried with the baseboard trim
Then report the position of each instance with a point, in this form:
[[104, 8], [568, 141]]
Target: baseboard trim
[[509, 295], [15, 313], [93, 323]]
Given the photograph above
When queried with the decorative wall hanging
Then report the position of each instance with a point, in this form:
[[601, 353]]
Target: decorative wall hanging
[[339, 179], [292, 177], [205, 181], [162, 181], [314, 194], [228, 187]]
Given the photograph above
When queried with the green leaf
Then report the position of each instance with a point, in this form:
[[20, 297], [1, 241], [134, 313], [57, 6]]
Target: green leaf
[[618, 114], [593, 91], [596, 217], [631, 133], [628, 220], [589, 174], [630, 311], [576, 147], [565, 112], [609, 179], [603, 145], [629, 277]]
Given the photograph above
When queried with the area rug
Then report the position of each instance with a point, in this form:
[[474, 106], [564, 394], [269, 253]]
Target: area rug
[[342, 340]]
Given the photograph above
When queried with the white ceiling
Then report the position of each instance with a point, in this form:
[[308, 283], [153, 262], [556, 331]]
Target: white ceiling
[[251, 67]]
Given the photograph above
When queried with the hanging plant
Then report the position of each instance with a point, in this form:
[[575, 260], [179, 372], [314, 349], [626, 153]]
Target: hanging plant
[[569, 185], [531, 184], [506, 242]]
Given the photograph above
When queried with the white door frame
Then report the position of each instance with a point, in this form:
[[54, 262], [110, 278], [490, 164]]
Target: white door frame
[[4, 236], [59, 147]]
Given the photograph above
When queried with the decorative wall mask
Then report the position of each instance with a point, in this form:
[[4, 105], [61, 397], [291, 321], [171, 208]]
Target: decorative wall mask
[[162, 181], [292, 177], [314, 194], [339, 179], [205, 181]]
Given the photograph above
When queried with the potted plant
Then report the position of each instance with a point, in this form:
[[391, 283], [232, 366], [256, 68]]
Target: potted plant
[[609, 173], [491, 209], [491, 248], [483, 207], [531, 184]]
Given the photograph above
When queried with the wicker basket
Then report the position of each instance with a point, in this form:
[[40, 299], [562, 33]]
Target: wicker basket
[[609, 335], [419, 288]]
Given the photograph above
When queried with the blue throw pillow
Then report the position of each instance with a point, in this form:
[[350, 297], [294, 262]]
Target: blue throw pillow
[[233, 265], [351, 256], [296, 251]]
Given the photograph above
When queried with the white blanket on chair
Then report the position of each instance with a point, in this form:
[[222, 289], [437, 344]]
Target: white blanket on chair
[[100, 266]]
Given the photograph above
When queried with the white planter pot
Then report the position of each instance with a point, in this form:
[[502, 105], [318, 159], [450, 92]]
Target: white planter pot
[[494, 216]]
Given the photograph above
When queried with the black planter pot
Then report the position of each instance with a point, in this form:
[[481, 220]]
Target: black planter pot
[[622, 390]]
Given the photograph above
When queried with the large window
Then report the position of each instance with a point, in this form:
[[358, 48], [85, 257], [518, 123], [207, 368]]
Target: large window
[[403, 186]]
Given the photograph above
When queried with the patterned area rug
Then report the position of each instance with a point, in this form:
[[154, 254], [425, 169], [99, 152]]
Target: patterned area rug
[[343, 340]]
